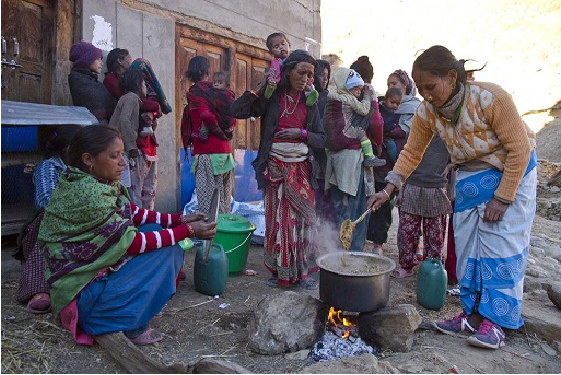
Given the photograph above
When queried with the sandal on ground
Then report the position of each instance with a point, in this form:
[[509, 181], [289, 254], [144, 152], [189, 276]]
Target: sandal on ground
[[308, 284], [147, 337], [401, 273], [39, 304]]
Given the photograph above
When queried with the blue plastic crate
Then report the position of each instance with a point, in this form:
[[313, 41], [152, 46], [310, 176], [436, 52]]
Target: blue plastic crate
[[20, 138]]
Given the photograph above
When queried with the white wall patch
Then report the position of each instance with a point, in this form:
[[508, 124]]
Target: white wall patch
[[102, 32]]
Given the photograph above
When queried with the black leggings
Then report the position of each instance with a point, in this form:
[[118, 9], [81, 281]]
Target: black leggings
[[381, 219]]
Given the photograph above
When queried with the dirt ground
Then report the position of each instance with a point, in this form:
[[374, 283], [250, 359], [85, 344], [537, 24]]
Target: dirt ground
[[196, 327]]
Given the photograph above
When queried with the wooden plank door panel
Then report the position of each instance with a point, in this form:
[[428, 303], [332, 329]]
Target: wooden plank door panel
[[31, 22], [242, 73]]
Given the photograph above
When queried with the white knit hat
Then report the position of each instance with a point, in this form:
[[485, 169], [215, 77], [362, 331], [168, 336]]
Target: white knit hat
[[354, 80]]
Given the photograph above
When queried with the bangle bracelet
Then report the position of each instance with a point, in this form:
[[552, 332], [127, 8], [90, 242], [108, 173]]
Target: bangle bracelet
[[190, 230], [387, 195]]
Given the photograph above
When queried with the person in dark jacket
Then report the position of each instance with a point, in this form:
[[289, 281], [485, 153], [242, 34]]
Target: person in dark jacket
[[324, 204], [85, 89], [285, 168]]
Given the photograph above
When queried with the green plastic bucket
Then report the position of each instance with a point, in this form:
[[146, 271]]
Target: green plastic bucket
[[234, 234]]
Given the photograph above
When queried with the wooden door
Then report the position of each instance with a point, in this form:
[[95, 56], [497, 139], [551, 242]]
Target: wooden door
[[249, 72], [31, 22]]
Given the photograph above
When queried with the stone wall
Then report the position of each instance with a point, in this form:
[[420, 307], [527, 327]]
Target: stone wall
[[549, 197], [147, 29]]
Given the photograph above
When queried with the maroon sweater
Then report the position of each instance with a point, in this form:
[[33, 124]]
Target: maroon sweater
[[199, 113], [334, 123]]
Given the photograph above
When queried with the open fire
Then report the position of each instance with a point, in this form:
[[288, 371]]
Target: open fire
[[341, 325], [340, 338]]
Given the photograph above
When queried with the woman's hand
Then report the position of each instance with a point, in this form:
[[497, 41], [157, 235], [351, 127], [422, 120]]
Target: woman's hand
[[377, 200], [494, 211], [203, 229], [368, 89], [379, 150], [196, 216], [448, 169], [260, 89], [289, 134]]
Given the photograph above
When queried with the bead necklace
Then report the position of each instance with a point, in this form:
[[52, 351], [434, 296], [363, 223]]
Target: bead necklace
[[287, 111]]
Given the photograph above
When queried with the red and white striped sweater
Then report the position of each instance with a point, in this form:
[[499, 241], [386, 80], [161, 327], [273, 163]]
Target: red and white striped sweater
[[149, 241]]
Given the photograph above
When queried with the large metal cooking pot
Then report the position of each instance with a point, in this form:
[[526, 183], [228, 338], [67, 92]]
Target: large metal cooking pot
[[360, 292]]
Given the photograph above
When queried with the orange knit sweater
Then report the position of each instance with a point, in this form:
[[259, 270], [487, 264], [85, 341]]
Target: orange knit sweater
[[489, 129]]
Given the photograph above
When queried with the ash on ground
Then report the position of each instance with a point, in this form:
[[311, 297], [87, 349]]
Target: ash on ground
[[331, 346]]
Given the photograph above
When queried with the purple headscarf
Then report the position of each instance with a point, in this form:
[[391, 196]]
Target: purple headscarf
[[404, 77]]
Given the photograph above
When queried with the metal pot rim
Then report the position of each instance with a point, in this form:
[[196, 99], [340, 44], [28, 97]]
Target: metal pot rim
[[390, 262]]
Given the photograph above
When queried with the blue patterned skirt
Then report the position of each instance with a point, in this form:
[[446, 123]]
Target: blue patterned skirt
[[492, 257]]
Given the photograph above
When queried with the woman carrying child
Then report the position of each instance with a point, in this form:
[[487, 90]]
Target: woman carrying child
[[346, 120], [285, 168], [118, 61], [144, 174], [207, 117], [381, 219], [105, 274], [85, 89]]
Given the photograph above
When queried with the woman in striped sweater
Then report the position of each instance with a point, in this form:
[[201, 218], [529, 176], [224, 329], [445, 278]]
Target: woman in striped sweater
[[105, 273], [495, 192]]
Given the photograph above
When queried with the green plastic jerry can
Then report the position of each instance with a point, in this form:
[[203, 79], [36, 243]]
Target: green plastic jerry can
[[211, 275], [431, 284]]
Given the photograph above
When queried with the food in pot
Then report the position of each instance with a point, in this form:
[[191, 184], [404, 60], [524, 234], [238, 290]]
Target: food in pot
[[354, 263], [346, 234]]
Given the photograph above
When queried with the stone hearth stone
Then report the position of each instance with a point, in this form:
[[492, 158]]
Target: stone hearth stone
[[554, 293], [391, 327], [363, 364], [216, 366], [300, 355], [285, 322], [543, 319]]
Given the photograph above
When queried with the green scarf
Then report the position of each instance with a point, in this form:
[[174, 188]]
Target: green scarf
[[87, 227]]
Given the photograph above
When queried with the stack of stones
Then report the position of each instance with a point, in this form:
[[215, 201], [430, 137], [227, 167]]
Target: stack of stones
[[549, 195]]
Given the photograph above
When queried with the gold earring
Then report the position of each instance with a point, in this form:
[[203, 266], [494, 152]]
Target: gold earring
[[453, 85], [91, 168]]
